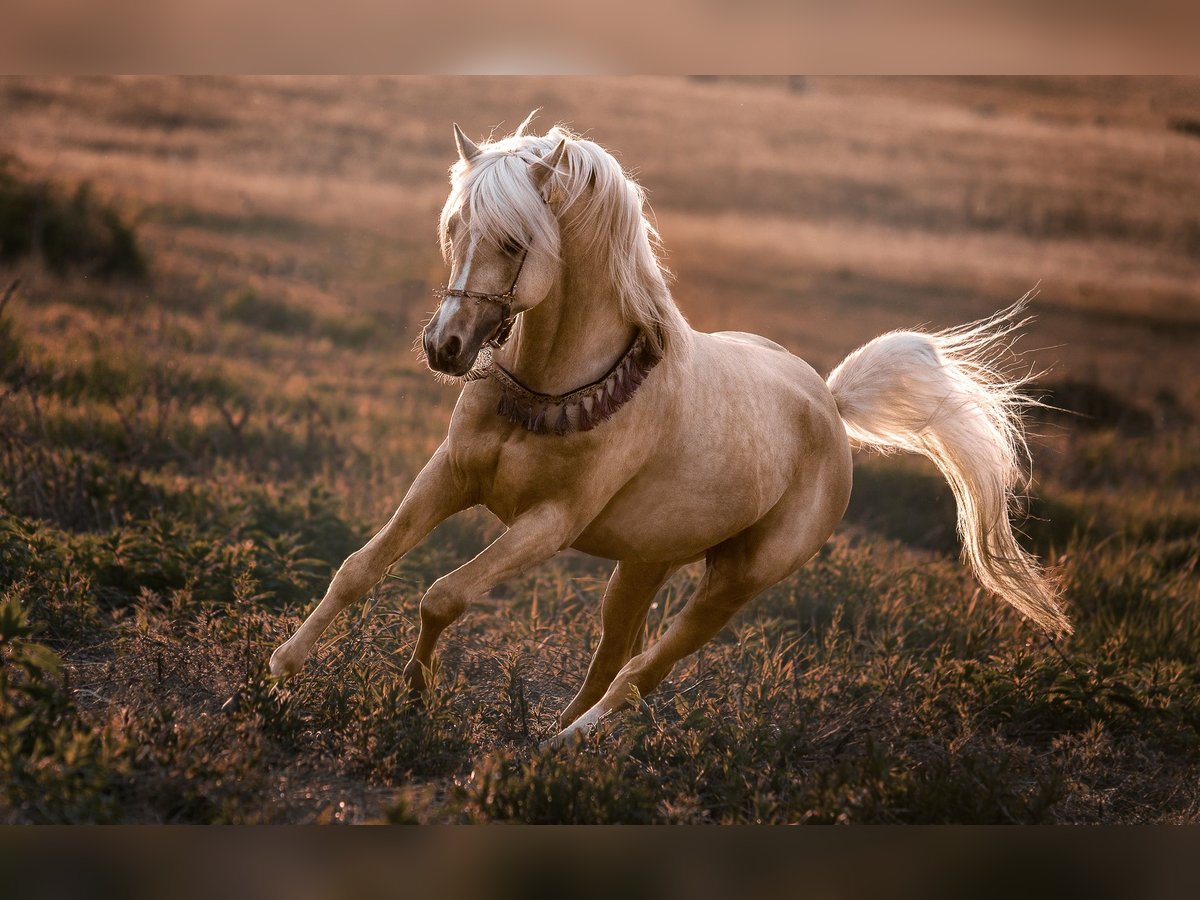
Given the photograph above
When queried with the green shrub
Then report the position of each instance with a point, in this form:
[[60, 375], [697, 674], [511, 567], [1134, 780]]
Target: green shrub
[[69, 231], [53, 767]]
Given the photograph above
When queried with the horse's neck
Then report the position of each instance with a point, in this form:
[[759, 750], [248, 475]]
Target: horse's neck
[[575, 335]]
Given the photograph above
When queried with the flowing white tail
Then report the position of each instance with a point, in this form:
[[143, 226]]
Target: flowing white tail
[[947, 397]]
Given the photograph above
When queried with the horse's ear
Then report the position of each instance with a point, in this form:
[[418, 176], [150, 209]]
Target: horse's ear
[[467, 149], [541, 170]]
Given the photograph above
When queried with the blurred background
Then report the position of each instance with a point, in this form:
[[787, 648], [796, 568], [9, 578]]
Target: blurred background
[[209, 394], [285, 226]]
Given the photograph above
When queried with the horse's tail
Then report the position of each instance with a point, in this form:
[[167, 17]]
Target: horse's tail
[[947, 397]]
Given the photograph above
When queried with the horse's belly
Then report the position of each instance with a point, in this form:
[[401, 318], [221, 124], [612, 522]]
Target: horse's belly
[[635, 542], [668, 521]]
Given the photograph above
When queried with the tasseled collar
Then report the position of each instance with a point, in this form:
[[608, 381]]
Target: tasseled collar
[[581, 409]]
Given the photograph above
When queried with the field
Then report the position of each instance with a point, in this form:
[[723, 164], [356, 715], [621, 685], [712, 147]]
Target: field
[[208, 398]]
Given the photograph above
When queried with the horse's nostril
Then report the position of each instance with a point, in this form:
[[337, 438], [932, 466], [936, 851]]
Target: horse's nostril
[[453, 345]]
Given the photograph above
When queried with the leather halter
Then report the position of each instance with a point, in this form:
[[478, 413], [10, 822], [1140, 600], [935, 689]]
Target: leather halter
[[581, 409], [504, 301]]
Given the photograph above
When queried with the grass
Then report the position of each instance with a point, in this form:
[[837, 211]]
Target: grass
[[186, 457]]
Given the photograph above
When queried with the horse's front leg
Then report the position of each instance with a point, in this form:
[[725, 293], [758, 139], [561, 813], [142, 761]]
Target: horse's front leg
[[434, 496], [532, 538]]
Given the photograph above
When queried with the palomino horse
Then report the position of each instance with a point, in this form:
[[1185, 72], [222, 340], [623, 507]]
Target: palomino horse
[[596, 418]]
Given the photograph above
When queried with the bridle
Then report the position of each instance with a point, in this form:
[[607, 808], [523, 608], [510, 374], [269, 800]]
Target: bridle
[[581, 409], [504, 301]]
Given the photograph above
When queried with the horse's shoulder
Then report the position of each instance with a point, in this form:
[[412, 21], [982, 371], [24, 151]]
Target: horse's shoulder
[[746, 337]]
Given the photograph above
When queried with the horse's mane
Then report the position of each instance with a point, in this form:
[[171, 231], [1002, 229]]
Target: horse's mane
[[501, 202]]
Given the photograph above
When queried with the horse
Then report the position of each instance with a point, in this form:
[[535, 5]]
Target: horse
[[592, 416]]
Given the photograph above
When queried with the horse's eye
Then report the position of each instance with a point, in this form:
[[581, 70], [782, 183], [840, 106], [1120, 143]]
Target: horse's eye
[[511, 247]]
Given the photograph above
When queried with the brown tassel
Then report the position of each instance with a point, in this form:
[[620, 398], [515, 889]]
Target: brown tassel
[[636, 374], [598, 414], [586, 423], [502, 406], [563, 423], [604, 406], [620, 391], [539, 421]]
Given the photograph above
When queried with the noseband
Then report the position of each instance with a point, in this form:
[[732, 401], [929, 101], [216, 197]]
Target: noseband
[[504, 301]]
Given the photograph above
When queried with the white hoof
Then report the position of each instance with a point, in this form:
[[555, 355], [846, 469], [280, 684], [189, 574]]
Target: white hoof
[[575, 732], [565, 738], [284, 663]]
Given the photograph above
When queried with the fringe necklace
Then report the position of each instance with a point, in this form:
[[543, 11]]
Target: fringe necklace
[[583, 408]]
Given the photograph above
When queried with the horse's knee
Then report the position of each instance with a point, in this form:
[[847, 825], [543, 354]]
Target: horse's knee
[[441, 605], [357, 573], [644, 672]]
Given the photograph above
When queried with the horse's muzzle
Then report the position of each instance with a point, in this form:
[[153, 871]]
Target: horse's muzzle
[[449, 356], [454, 336]]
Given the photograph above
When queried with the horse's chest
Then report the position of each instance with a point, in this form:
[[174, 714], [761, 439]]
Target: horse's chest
[[510, 474]]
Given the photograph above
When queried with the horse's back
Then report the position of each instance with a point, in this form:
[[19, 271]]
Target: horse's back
[[777, 415], [767, 371], [747, 337]]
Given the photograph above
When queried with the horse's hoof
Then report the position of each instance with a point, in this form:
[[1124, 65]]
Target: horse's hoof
[[568, 737], [418, 684], [283, 664]]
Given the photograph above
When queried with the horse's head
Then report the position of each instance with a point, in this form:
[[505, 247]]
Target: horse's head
[[500, 235]]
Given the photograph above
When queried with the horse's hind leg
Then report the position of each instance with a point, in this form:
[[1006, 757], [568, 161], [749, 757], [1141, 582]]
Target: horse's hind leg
[[737, 571], [623, 611], [707, 611]]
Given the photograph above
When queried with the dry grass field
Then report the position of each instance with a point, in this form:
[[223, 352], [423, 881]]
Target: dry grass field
[[208, 398]]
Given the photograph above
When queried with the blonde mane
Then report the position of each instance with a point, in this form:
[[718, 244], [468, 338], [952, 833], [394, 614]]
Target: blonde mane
[[501, 202]]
